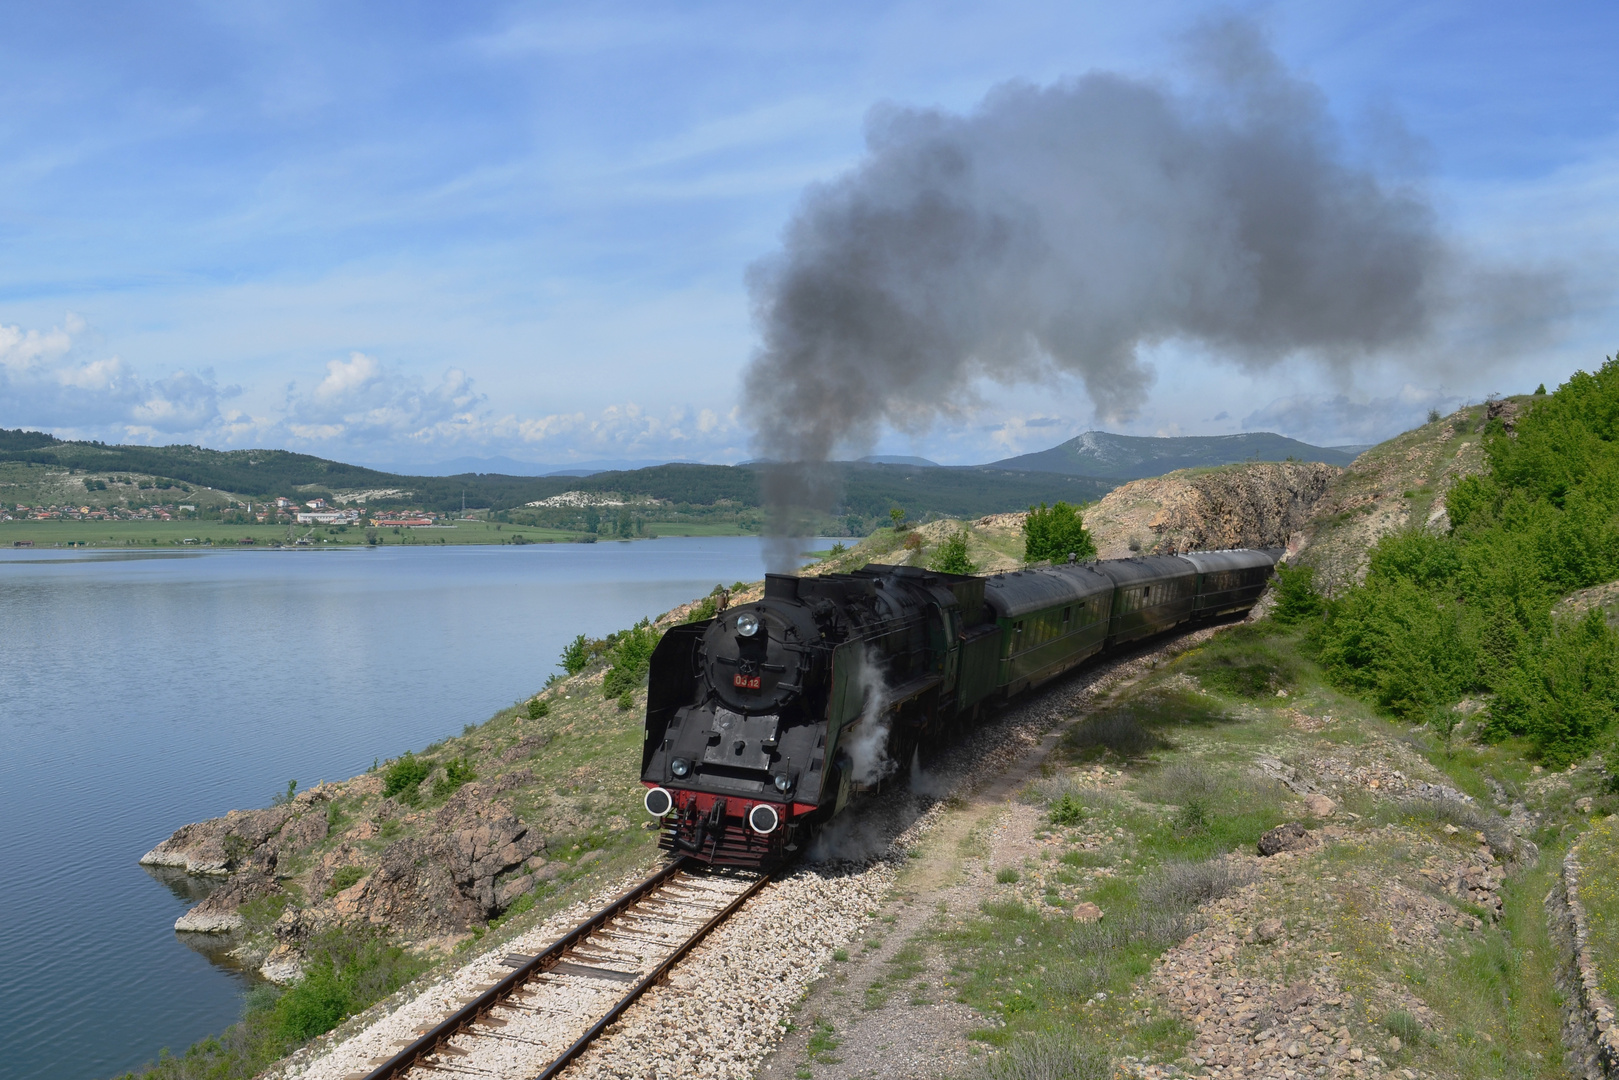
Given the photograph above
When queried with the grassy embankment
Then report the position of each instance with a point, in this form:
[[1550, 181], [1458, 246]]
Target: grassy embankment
[[1184, 743], [564, 761]]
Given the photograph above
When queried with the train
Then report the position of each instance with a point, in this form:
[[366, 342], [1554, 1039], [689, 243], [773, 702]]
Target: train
[[763, 722]]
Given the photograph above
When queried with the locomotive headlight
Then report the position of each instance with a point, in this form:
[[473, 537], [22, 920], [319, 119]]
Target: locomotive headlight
[[679, 766], [747, 624], [783, 782]]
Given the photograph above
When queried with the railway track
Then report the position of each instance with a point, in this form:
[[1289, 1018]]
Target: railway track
[[532, 1023]]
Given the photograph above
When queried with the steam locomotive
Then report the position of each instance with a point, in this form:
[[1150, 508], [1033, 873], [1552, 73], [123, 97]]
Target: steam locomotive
[[764, 721]]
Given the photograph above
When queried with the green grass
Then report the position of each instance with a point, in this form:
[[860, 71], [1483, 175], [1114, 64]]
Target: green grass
[[822, 1042], [1599, 891], [1496, 993], [346, 970]]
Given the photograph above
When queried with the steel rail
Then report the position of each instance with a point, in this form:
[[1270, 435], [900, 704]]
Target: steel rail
[[431, 1040], [650, 980]]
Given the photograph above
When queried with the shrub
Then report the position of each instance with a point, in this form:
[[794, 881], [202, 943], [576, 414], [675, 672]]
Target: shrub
[[1178, 782], [1055, 533], [403, 776], [457, 771], [1296, 598], [1067, 810], [707, 607], [1182, 885], [1055, 1055], [282, 798], [344, 878], [629, 654], [576, 655], [1118, 731], [345, 971], [1006, 875], [538, 708], [1404, 1026], [951, 556], [626, 701]]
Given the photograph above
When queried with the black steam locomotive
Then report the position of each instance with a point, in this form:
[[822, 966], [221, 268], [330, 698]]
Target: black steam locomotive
[[763, 721]]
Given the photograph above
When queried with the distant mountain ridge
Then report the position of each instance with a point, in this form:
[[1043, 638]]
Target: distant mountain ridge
[[1107, 456]]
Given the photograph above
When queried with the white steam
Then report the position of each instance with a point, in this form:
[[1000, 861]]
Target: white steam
[[866, 740]]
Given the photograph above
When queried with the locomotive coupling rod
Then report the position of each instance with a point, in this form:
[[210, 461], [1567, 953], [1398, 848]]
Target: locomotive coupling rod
[[651, 980], [464, 1017]]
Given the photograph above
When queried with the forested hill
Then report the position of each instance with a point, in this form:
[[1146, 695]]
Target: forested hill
[[870, 489], [1468, 613]]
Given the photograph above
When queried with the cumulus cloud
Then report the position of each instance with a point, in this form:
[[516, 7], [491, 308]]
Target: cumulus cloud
[[361, 401], [365, 405], [361, 406], [48, 381]]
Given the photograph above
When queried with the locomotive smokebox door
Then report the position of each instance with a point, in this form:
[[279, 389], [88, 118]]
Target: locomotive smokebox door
[[743, 741]]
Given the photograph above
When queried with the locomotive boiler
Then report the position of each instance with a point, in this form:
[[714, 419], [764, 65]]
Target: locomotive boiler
[[763, 722]]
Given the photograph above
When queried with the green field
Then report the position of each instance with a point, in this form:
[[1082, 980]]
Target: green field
[[128, 534]]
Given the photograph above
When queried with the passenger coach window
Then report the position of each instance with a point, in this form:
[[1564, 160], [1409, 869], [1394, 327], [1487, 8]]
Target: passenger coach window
[[1146, 592], [1066, 612]]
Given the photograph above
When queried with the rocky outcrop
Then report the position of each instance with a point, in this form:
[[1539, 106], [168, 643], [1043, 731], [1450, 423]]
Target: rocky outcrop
[[244, 839], [217, 913], [1257, 505], [467, 868]]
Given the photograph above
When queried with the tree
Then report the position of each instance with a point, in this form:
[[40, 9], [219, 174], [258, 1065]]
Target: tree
[[1055, 533], [898, 517], [1296, 598], [951, 556]]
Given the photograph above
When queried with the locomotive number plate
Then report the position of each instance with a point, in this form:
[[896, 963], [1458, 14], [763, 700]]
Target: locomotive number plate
[[745, 682]]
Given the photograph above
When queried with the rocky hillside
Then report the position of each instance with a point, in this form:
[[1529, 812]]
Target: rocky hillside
[[1253, 505], [1258, 505], [1395, 485]]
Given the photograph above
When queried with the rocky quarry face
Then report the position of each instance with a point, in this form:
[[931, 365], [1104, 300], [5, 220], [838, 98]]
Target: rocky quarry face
[[1258, 505]]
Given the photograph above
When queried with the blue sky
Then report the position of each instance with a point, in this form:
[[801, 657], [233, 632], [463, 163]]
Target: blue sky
[[405, 233]]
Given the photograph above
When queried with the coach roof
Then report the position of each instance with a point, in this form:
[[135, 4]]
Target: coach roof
[[1239, 559], [1022, 591]]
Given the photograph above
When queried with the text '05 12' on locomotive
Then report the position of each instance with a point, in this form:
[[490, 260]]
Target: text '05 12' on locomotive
[[763, 721]]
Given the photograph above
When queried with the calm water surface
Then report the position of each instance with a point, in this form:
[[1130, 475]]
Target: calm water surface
[[142, 691]]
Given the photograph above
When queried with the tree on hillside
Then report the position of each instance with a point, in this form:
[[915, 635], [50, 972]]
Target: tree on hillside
[[951, 556], [1054, 533]]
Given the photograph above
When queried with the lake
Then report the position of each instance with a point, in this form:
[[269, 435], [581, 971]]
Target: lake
[[140, 691]]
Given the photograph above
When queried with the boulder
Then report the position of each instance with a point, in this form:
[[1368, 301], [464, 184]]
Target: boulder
[[1087, 912], [1289, 837], [1320, 806], [514, 888], [1267, 931]]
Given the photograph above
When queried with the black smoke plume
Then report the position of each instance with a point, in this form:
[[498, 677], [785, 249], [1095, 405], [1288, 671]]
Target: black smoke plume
[[1057, 230]]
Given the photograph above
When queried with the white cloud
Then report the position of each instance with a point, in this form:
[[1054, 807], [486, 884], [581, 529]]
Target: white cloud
[[365, 408], [46, 381]]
